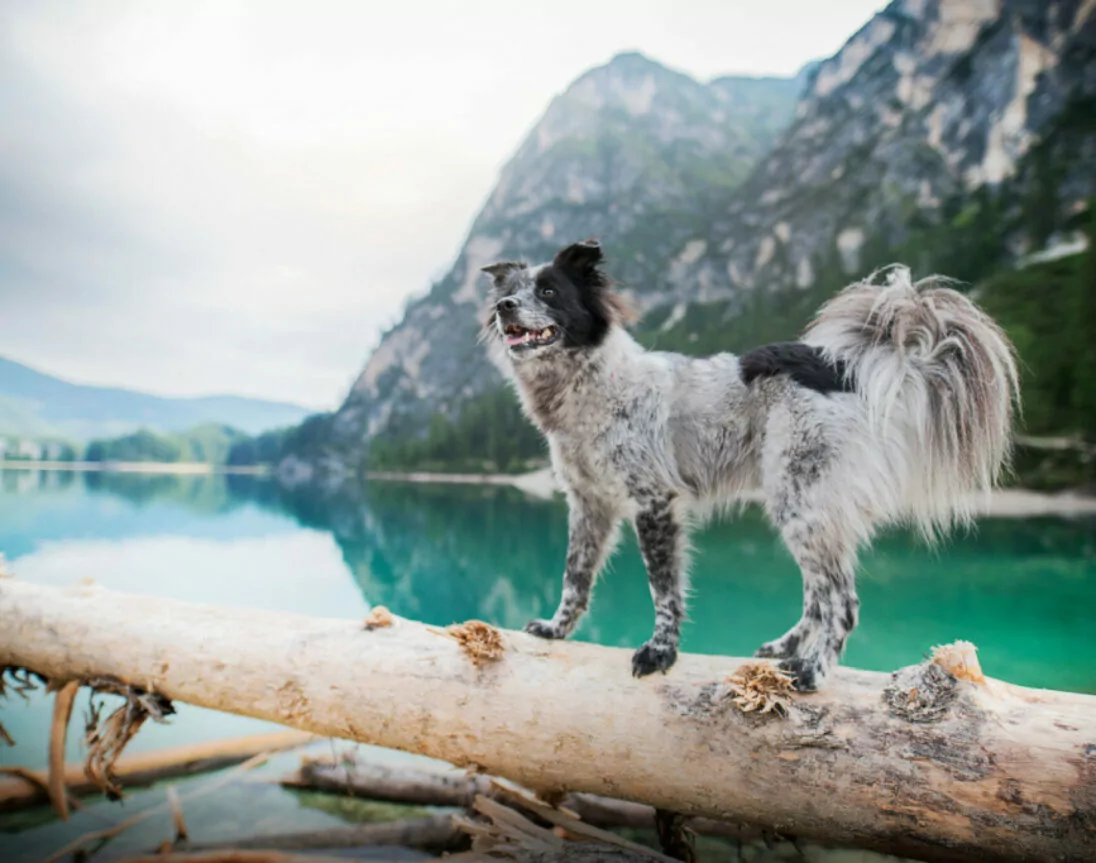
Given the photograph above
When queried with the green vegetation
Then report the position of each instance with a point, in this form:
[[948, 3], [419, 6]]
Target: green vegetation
[[490, 434], [266, 448], [1048, 310], [21, 448], [1041, 309], [208, 444]]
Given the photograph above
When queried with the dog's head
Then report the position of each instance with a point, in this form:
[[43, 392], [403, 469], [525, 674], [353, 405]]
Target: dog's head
[[564, 305]]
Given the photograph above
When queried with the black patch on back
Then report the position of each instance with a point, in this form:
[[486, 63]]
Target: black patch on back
[[804, 364]]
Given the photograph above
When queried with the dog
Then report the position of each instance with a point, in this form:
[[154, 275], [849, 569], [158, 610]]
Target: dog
[[895, 406]]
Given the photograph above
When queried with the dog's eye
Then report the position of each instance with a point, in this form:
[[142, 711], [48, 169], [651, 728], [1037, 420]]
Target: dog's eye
[[547, 293]]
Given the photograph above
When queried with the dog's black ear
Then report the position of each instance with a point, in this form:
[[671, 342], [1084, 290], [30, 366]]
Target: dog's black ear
[[579, 260], [502, 269]]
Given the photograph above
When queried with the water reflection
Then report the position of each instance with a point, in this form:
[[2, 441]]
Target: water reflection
[[1020, 589]]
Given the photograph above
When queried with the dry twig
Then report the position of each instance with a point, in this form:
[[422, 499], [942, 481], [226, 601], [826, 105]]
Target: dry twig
[[21, 681], [511, 835], [177, 819], [108, 833]]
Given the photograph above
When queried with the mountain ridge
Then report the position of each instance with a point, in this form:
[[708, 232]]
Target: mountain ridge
[[631, 146], [925, 138], [37, 404]]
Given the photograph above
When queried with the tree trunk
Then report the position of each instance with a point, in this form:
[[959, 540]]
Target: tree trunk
[[915, 763]]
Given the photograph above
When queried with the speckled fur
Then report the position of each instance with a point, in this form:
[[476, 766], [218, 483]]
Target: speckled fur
[[660, 439]]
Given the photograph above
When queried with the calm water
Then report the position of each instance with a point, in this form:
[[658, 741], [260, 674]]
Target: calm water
[[1023, 590]]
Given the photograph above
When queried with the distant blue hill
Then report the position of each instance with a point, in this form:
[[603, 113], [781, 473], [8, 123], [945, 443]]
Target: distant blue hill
[[36, 404]]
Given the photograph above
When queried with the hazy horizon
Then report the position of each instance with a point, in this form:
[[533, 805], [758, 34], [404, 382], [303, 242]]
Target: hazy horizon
[[238, 198]]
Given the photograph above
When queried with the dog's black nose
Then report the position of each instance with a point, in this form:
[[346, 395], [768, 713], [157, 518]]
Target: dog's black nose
[[507, 304]]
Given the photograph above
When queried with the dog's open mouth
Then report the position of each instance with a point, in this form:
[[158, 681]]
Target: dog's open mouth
[[520, 337]]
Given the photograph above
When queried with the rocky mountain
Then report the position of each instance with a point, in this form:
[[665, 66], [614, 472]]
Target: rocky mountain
[[957, 135], [632, 152], [34, 404], [928, 102]]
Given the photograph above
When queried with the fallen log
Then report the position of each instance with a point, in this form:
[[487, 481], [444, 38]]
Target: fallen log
[[407, 785], [431, 833], [230, 856], [453, 788], [916, 763], [30, 787]]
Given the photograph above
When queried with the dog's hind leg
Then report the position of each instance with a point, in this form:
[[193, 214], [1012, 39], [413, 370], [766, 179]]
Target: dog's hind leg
[[662, 541], [591, 535], [827, 559], [820, 529]]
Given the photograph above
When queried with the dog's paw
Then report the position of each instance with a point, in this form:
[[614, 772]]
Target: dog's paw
[[652, 657], [771, 650], [544, 629], [808, 674]]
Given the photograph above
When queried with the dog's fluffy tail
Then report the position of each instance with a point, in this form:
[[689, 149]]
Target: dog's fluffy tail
[[938, 377]]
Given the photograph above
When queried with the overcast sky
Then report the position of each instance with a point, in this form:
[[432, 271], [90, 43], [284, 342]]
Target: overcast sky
[[239, 197]]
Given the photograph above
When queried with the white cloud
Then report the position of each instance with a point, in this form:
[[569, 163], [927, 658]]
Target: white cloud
[[239, 197]]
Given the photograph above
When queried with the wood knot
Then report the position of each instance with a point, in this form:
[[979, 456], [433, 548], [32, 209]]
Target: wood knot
[[921, 693]]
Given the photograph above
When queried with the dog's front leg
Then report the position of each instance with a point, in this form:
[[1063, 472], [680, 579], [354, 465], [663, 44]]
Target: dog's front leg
[[662, 542], [592, 526]]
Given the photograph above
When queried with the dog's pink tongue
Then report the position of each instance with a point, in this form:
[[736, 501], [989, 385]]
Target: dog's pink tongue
[[513, 340]]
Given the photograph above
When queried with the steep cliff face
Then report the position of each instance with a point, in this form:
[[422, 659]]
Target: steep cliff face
[[931, 100], [632, 152], [709, 197]]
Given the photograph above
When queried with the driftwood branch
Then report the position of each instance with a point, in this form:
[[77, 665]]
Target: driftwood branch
[[20, 787], [459, 789], [62, 712], [917, 763], [232, 856], [432, 833]]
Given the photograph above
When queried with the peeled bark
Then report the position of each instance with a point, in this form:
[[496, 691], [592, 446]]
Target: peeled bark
[[915, 763]]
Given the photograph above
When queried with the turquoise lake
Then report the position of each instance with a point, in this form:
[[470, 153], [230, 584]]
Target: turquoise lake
[[1022, 589]]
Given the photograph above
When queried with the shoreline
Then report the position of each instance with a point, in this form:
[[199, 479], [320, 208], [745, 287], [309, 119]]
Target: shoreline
[[1004, 503], [181, 468]]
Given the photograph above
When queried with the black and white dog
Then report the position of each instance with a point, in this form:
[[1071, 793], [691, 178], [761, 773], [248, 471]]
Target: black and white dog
[[895, 406]]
